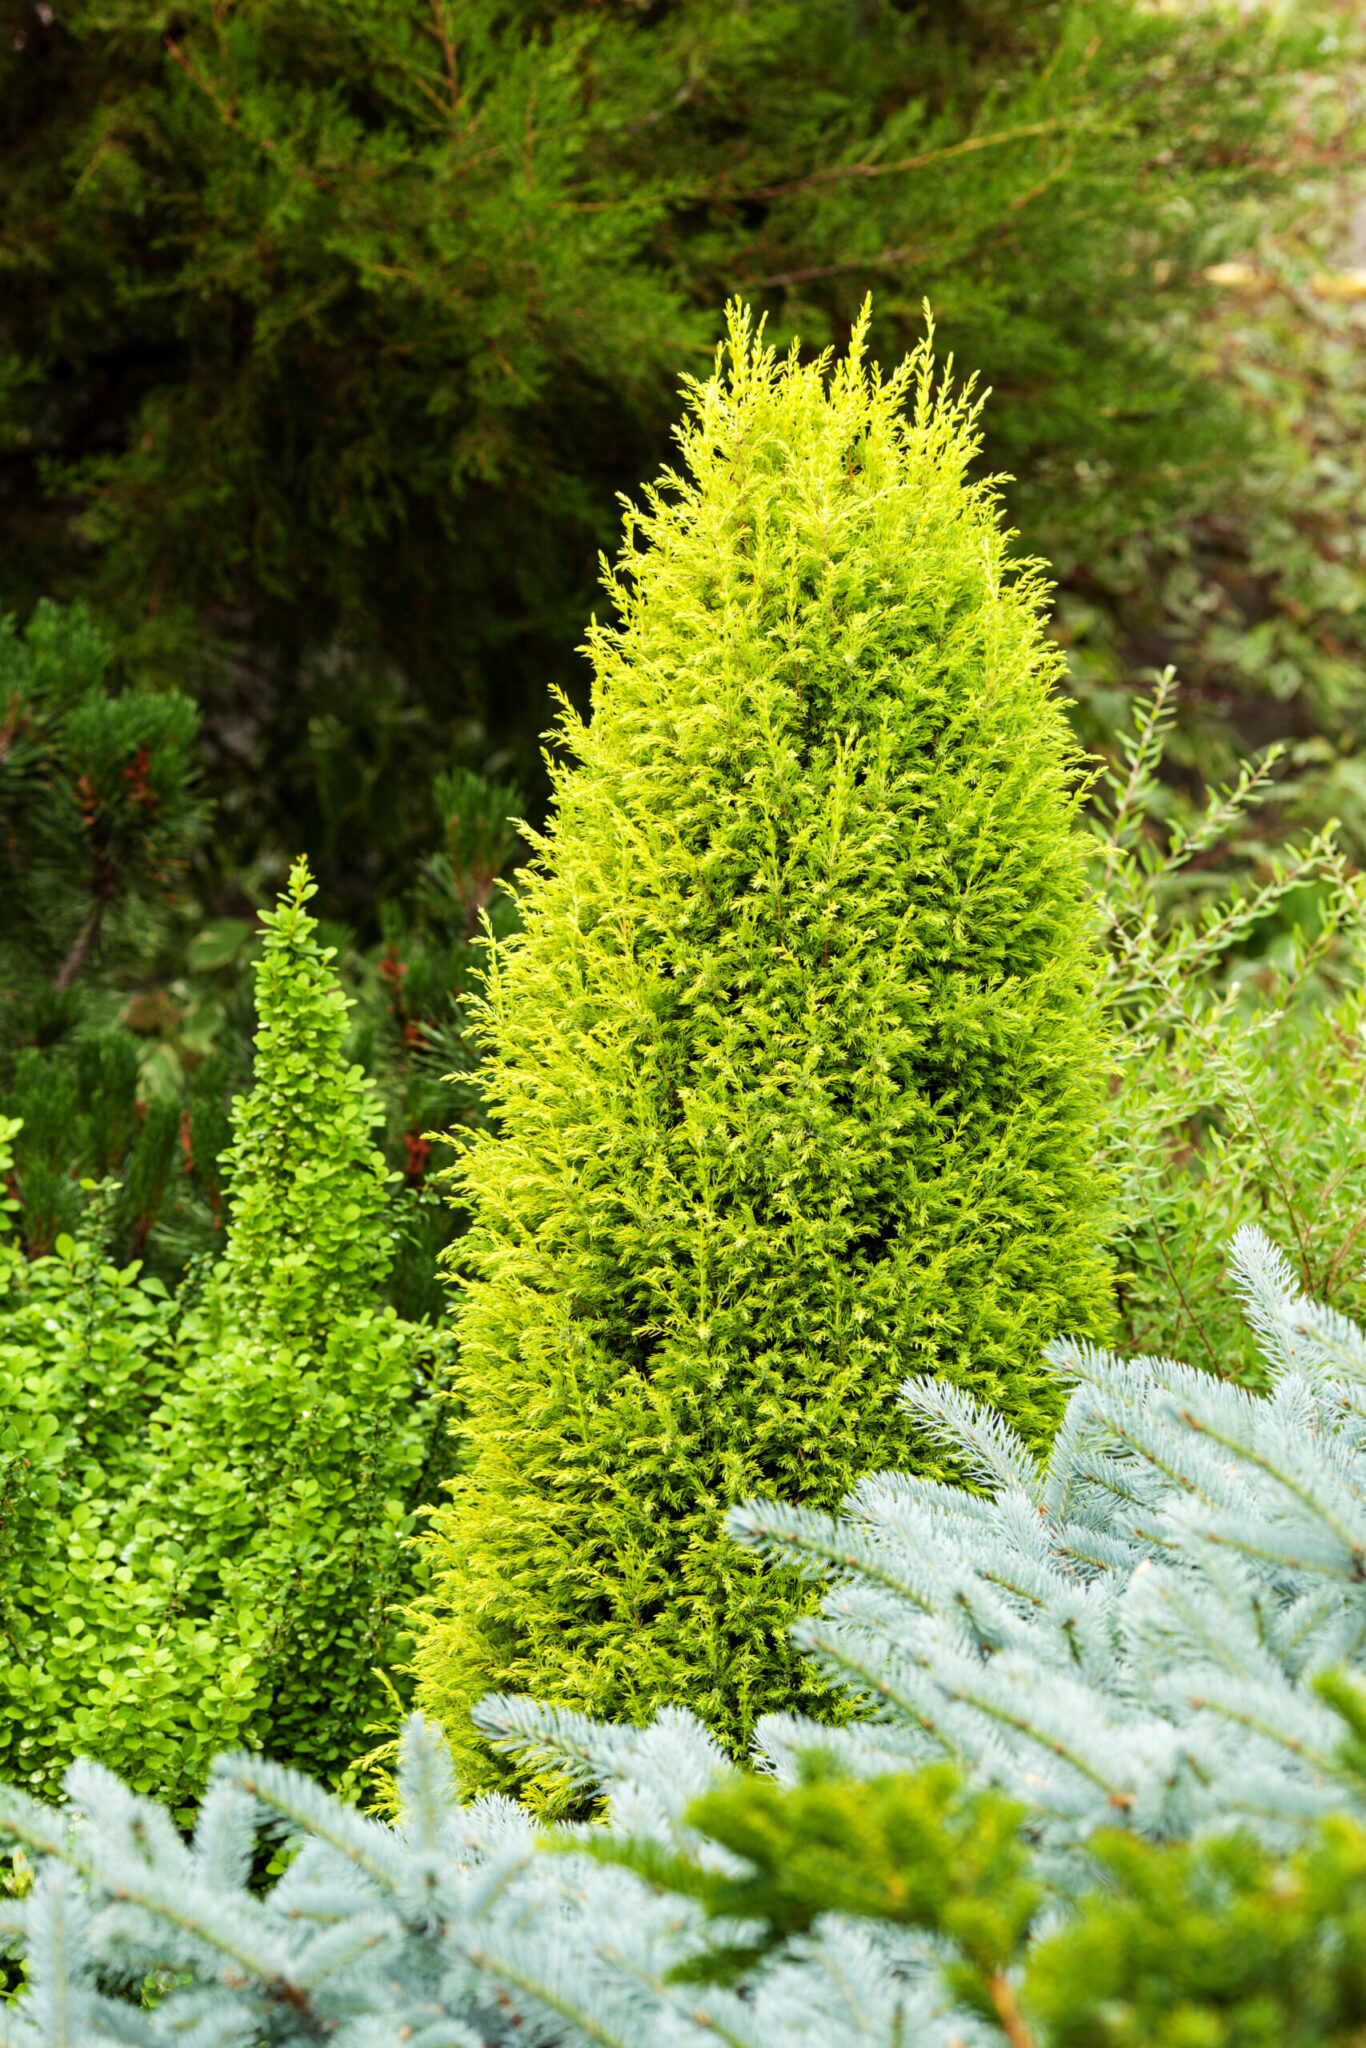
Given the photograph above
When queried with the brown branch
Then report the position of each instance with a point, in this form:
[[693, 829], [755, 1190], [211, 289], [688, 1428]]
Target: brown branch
[[1201, 1332], [815, 270], [909, 253], [723, 195], [1008, 2011], [227, 113], [1059, 170], [82, 946], [905, 163], [448, 52]]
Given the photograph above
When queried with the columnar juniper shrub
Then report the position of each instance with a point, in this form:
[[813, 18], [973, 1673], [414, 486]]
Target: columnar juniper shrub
[[796, 1063]]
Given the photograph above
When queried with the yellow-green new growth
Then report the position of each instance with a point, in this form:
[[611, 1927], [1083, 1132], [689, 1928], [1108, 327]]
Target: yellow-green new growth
[[796, 1064]]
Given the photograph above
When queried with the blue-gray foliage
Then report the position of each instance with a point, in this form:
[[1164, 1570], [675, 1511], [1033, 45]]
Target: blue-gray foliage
[[1124, 1633], [1132, 1625]]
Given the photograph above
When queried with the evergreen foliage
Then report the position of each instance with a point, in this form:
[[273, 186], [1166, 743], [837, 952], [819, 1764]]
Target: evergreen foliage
[[208, 1501], [1134, 1623], [796, 1064], [1222, 1944], [250, 391], [125, 1011], [1256, 594], [851, 1914], [1180, 1570], [97, 805], [99, 815], [413, 1029], [1242, 1053]]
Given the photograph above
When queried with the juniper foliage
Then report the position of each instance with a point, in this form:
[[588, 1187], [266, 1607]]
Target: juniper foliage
[[796, 1063], [1181, 1564]]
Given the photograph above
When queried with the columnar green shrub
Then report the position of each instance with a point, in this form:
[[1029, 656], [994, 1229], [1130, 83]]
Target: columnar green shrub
[[308, 1244], [290, 1453], [796, 1064], [207, 1502]]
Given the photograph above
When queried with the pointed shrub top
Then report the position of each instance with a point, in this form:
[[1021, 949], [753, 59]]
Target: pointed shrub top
[[304, 1177], [796, 1064]]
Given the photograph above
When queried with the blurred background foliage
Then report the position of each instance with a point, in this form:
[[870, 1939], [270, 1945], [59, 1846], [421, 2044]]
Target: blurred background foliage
[[330, 332]]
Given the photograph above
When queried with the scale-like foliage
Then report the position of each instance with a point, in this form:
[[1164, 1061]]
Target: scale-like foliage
[[796, 1064], [376, 302]]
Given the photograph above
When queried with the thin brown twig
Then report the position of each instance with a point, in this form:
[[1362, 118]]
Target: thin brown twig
[[1059, 170], [1330, 1278], [227, 113], [1271, 1154], [82, 946], [1008, 2010], [910, 253], [1201, 1332], [817, 270], [448, 53], [835, 172]]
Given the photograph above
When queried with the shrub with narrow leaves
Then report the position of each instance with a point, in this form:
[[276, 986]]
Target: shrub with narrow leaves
[[1135, 1623], [1240, 1013], [795, 1065], [1181, 1566]]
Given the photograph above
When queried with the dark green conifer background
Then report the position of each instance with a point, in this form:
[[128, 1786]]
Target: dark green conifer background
[[329, 328], [797, 1064]]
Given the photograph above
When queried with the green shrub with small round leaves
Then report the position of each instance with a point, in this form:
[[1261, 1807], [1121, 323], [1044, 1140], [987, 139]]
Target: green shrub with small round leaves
[[208, 1501]]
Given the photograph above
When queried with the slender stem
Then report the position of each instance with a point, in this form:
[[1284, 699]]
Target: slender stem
[[835, 172], [82, 946], [1008, 2011]]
